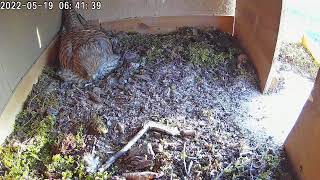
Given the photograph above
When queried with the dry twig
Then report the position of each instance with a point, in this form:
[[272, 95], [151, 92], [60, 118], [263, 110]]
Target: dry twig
[[149, 125], [189, 168], [184, 158]]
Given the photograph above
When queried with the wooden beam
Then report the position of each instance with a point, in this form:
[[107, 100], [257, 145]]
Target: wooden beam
[[113, 10], [303, 143], [169, 23], [256, 27]]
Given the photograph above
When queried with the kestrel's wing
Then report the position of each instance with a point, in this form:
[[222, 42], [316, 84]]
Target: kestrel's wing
[[65, 54]]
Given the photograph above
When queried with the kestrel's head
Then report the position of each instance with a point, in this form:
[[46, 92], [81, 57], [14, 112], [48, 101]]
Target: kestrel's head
[[97, 59], [98, 65], [110, 64]]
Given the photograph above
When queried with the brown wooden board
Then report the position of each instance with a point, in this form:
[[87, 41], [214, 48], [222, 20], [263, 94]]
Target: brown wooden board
[[169, 23], [157, 16], [113, 10], [303, 143], [256, 27]]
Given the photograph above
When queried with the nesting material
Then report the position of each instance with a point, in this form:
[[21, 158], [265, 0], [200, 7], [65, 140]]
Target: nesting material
[[189, 79]]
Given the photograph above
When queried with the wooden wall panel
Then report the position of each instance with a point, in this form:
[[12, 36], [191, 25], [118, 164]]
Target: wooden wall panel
[[24, 35], [120, 9], [303, 142], [169, 23], [257, 26], [22, 90], [157, 16]]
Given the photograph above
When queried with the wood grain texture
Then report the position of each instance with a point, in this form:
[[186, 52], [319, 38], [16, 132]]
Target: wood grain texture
[[22, 90], [303, 143], [169, 23], [120, 9], [257, 27]]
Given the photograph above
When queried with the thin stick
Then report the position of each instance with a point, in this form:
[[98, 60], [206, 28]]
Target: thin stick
[[150, 125], [29, 104], [189, 168], [184, 158], [222, 172], [171, 176], [173, 131], [124, 149]]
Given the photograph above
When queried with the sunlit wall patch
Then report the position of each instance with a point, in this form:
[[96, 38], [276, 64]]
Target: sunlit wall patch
[[39, 37]]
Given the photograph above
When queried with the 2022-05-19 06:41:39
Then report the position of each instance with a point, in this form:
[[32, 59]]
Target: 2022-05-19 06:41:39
[[33, 5], [94, 5]]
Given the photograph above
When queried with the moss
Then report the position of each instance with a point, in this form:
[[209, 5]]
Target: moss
[[36, 125], [18, 165], [96, 126], [155, 53], [32, 136], [152, 44], [66, 167], [198, 46], [80, 137], [296, 55], [99, 176], [21, 161], [24, 162], [269, 167], [203, 54], [36, 155]]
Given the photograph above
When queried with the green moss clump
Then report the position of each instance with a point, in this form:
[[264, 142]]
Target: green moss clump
[[26, 160], [17, 164], [99, 176], [20, 161], [202, 47], [203, 54], [296, 55], [36, 125], [269, 167], [96, 126], [66, 167], [80, 137], [155, 53], [29, 147]]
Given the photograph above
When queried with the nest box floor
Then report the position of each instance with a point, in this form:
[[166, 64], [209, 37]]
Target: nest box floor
[[190, 79]]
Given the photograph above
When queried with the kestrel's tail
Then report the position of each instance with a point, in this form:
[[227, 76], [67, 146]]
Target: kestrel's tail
[[70, 18]]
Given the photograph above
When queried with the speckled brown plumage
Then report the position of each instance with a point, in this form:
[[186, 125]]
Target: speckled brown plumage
[[85, 50]]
